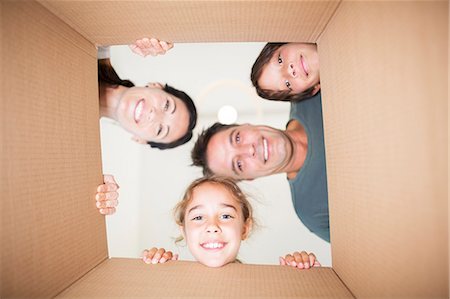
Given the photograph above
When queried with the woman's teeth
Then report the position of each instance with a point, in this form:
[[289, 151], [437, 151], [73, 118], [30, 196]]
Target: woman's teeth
[[138, 111], [266, 152]]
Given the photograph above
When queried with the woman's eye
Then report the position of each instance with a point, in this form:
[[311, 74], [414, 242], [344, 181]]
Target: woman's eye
[[159, 130], [280, 60], [166, 105], [288, 85], [238, 137]]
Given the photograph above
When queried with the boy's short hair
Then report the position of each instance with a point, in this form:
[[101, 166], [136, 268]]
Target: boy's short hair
[[275, 95]]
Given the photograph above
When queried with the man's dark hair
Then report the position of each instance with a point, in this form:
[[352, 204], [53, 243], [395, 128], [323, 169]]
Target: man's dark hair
[[108, 76], [275, 95], [190, 106], [198, 153]]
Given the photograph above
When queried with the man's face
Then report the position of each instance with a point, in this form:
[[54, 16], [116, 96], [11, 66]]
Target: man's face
[[294, 67], [247, 152]]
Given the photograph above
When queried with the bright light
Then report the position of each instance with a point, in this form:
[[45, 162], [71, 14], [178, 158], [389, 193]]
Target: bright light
[[227, 115]]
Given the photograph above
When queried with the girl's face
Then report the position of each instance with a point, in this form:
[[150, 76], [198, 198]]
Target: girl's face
[[152, 114], [214, 225], [294, 67]]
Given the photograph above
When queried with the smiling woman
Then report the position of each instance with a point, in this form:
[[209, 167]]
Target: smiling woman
[[163, 117]]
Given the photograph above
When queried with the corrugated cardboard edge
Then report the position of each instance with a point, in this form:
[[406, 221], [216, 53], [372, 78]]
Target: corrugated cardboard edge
[[384, 102], [131, 278], [108, 23], [52, 233]]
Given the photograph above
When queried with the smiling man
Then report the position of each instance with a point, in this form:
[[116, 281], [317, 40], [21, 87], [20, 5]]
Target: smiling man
[[246, 152]]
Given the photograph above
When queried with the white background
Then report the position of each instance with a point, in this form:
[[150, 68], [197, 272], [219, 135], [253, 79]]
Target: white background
[[152, 181]]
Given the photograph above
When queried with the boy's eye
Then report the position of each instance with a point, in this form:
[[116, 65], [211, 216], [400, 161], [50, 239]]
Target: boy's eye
[[166, 105], [280, 60], [288, 84]]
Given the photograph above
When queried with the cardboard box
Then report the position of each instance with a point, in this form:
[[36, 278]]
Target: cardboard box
[[384, 78]]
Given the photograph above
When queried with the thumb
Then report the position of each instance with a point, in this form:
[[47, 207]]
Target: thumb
[[282, 261], [107, 178]]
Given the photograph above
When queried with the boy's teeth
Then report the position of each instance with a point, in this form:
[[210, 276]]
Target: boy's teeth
[[266, 153]]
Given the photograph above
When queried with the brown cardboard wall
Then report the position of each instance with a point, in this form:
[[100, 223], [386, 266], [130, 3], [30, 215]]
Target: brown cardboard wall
[[131, 278], [113, 22], [384, 79], [51, 231]]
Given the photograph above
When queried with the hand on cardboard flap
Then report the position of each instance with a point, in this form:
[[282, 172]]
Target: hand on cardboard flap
[[106, 197], [302, 260], [155, 255], [150, 46]]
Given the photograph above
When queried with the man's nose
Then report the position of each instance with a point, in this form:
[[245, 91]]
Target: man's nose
[[247, 150]]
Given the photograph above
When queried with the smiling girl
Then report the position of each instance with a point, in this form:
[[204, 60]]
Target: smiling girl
[[214, 216]]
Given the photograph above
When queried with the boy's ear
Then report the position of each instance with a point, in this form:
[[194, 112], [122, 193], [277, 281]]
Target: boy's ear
[[316, 89], [247, 228], [138, 140]]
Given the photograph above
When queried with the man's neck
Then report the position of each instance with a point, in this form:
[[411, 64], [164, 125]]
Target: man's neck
[[299, 138]]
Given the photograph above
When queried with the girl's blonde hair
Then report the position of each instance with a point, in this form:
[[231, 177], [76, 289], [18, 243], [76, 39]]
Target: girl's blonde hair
[[228, 183]]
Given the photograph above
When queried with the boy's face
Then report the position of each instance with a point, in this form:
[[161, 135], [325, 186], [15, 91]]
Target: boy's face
[[294, 67], [214, 225]]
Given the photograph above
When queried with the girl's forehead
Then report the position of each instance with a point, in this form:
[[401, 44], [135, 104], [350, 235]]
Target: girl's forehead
[[211, 193]]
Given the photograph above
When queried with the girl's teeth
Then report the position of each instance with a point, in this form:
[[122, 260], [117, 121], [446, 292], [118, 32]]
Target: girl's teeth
[[138, 111]]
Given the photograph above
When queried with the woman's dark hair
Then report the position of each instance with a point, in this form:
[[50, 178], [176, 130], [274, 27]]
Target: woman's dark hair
[[107, 76], [275, 95]]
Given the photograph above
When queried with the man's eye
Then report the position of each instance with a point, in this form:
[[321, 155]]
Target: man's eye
[[238, 137], [159, 130], [226, 216], [166, 105], [288, 84], [280, 60], [197, 218], [239, 165]]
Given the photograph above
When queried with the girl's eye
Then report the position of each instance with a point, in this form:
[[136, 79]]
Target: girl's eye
[[280, 60], [238, 137], [166, 105], [197, 218], [226, 216], [159, 130]]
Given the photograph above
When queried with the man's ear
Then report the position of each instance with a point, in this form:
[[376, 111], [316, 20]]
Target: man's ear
[[316, 89], [154, 85], [138, 139], [247, 228]]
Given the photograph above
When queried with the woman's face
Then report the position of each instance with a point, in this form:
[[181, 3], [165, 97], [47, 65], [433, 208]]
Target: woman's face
[[294, 67], [151, 114], [214, 225]]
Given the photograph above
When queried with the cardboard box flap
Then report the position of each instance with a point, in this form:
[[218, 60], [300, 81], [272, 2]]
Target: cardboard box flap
[[132, 278], [384, 80], [114, 22], [51, 231]]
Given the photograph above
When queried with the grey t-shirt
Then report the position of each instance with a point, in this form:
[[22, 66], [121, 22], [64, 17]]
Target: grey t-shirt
[[309, 187]]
